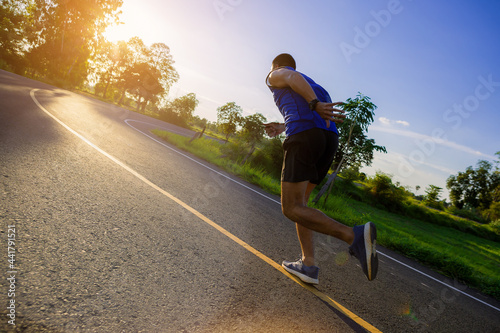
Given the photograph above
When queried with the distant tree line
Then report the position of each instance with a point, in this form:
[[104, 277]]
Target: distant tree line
[[474, 193]]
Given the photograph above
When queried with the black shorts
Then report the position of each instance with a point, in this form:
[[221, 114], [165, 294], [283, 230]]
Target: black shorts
[[308, 155]]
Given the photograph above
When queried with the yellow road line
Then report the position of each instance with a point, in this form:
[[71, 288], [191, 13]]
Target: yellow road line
[[205, 219]]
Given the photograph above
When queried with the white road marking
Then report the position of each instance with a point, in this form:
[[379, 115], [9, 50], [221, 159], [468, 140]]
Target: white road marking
[[192, 159]]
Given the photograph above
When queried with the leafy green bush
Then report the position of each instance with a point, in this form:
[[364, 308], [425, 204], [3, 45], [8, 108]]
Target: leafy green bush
[[434, 204], [173, 118], [495, 226], [493, 212], [233, 151], [386, 194], [352, 174], [348, 189], [269, 156], [470, 214]]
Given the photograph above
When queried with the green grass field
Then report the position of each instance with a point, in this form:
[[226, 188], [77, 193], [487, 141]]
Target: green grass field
[[456, 254]]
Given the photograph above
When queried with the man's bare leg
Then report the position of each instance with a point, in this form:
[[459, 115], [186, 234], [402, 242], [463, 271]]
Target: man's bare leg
[[306, 239], [305, 235], [294, 206]]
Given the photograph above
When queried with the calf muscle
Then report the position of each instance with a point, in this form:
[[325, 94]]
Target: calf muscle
[[294, 206]]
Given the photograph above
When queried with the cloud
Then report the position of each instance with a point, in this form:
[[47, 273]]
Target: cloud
[[392, 160], [384, 120], [388, 122], [427, 138], [402, 122]]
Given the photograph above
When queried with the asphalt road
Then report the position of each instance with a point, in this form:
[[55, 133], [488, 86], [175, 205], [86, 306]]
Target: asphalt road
[[116, 231]]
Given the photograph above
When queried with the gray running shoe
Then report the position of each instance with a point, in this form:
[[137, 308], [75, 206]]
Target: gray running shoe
[[308, 274], [363, 248]]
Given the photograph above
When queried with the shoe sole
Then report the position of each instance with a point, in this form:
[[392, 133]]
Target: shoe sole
[[370, 236], [301, 276]]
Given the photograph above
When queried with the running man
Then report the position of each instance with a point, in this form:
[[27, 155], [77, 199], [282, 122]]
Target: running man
[[309, 148]]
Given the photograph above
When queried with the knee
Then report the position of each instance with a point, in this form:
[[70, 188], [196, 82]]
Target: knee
[[290, 211]]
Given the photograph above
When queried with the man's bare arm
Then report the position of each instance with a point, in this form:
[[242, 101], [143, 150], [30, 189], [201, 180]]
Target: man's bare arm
[[283, 77], [274, 129]]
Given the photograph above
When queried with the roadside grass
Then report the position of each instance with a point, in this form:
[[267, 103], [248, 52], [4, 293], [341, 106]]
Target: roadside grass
[[452, 252], [465, 257], [395, 201]]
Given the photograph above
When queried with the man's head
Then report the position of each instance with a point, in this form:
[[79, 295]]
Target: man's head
[[284, 59]]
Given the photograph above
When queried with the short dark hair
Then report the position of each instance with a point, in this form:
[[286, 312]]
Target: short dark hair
[[284, 59]]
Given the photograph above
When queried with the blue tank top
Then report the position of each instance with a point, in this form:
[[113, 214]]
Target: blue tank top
[[295, 109]]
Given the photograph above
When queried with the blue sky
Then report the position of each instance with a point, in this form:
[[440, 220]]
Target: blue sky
[[431, 67]]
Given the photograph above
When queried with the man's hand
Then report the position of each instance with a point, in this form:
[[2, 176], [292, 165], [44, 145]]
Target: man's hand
[[328, 112], [274, 129]]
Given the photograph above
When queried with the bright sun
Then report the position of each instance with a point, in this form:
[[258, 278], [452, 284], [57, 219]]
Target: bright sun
[[137, 20]]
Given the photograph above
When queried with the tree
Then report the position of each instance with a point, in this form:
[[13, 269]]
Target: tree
[[148, 73], [474, 188], [109, 64], [13, 31], [432, 194], [252, 131], [161, 59], [355, 149], [253, 128], [66, 33], [184, 107], [143, 81], [228, 118]]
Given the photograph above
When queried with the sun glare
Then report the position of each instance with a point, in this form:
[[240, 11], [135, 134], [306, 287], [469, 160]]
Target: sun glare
[[115, 33], [137, 19]]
